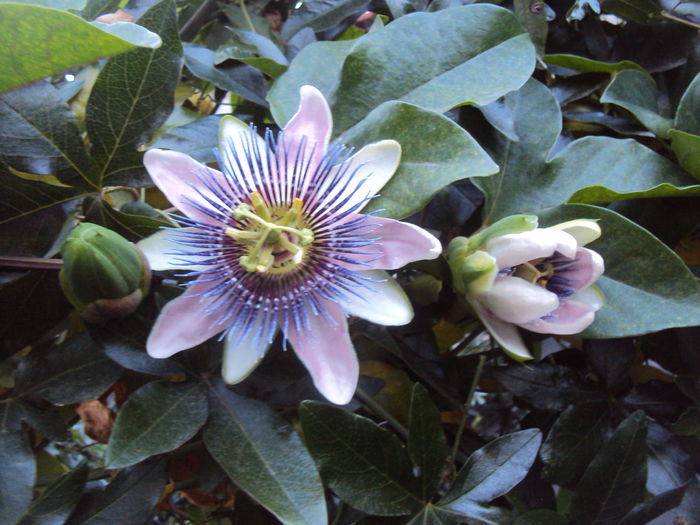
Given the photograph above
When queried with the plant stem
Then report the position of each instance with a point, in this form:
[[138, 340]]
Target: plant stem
[[680, 20], [467, 404], [197, 20], [247, 16], [8, 262], [375, 407]]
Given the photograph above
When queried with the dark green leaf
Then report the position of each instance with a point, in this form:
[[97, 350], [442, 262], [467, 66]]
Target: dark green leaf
[[95, 8], [364, 464], [467, 71], [541, 517], [472, 69], [320, 15], [43, 138], [53, 41], [546, 386], [426, 166], [493, 470], [28, 307], [121, 114], [573, 441], [614, 481], [129, 498], [646, 286], [317, 64], [688, 113], [473, 514], [591, 169], [197, 139], [73, 371], [586, 65], [200, 61], [264, 456], [654, 507], [686, 146], [124, 341], [611, 360], [427, 446], [16, 475], [21, 197], [636, 92], [639, 11], [157, 418], [58, 500], [130, 226], [399, 8], [669, 465]]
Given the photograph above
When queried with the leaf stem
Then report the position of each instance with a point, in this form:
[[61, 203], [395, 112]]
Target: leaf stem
[[679, 19], [467, 404], [197, 20], [375, 407], [247, 16]]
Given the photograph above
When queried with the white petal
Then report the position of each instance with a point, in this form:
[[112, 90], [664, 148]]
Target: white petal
[[583, 230], [158, 249], [504, 333], [516, 300], [384, 303], [361, 176], [244, 351], [517, 248]]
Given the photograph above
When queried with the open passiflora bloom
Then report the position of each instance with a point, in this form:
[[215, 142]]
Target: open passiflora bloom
[[276, 242], [515, 274]]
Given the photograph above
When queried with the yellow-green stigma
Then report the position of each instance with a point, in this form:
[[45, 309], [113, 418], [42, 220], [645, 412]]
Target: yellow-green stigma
[[275, 239]]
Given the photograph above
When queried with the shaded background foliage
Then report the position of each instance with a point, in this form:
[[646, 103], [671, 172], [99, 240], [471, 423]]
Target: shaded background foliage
[[584, 109]]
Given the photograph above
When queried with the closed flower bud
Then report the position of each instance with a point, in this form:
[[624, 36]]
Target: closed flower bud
[[516, 274], [104, 276]]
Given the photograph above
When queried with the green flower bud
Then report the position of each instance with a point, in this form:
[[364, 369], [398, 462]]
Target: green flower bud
[[104, 276]]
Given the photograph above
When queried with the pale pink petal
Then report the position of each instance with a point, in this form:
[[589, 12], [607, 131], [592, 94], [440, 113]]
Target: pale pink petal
[[362, 176], [328, 354], [400, 243], [516, 300], [382, 301], [504, 333], [517, 248], [589, 266], [307, 133], [175, 174], [244, 348], [570, 318], [182, 323], [158, 248]]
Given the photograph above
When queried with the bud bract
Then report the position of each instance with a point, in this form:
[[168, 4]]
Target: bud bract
[[104, 276]]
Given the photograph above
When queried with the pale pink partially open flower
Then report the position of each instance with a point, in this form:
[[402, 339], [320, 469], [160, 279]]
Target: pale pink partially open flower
[[540, 280], [275, 241]]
